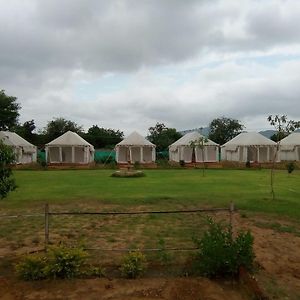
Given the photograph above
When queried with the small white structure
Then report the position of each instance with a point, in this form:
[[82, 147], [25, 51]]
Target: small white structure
[[135, 148], [249, 146], [69, 148], [290, 147], [182, 149], [25, 152]]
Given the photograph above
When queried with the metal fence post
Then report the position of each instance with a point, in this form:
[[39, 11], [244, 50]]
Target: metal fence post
[[46, 226]]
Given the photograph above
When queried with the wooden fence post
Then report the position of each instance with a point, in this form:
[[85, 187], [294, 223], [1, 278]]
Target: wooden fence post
[[231, 211], [46, 226]]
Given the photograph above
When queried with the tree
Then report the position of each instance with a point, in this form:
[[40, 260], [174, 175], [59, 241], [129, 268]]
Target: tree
[[200, 143], [9, 111], [224, 129], [103, 138], [7, 182], [278, 137], [26, 131], [59, 126], [162, 136], [283, 128]]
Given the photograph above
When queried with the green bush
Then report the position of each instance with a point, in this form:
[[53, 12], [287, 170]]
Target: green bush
[[220, 254], [31, 268], [133, 265], [128, 174], [290, 167], [59, 262], [65, 262]]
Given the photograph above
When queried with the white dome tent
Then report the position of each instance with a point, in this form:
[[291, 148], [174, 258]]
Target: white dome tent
[[182, 150], [290, 147], [69, 148], [25, 152], [135, 148], [249, 146]]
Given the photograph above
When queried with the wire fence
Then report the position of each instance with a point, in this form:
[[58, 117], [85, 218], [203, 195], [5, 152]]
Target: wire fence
[[48, 214], [111, 225]]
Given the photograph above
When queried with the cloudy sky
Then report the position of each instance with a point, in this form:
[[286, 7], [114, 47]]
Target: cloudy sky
[[127, 64]]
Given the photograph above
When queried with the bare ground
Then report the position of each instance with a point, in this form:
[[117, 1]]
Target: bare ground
[[277, 249]]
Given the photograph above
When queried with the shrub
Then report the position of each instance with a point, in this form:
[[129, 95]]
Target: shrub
[[163, 256], [60, 262], [182, 163], [31, 268], [220, 254], [248, 164], [134, 264], [128, 174], [290, 167], [137, 165], [65, 262]]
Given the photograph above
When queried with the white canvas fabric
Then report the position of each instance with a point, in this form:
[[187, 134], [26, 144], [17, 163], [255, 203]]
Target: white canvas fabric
[[250, 139], [290, 147], [182, 150], [249, 146], [135, 139], [70, 139], [135, 148], [69, 148], [24, 151]]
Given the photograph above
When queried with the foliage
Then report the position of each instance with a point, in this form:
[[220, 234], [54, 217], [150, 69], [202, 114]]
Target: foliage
[[163, 256], [7, 182], [102, 137], [182, 163], [220, 254], [128, 174], [248, 164], [32, 268], [59, 262], [64, 262], [59, 126], [276, 137], [199, 143], [283, 127], [26, 131], [133, 265], [224, 129], [290, 167], [162, 136], [9, 111]]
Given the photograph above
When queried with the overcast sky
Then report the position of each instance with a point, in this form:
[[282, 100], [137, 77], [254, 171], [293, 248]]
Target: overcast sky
[[128, 64]]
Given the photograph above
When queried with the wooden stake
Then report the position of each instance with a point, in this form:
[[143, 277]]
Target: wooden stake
[[46, 226], [231, 211]]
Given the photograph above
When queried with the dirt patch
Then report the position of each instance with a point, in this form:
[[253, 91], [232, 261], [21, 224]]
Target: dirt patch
[[119, 289], [276, 245]]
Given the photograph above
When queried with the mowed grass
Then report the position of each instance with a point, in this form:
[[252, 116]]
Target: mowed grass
[[160, 189]]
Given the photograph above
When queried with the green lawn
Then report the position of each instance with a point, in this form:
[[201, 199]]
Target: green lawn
[[163, 189]]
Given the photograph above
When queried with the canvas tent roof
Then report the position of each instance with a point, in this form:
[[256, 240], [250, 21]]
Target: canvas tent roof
[[69, 139], [291, 139], [249, 139], [191, 137], [135, 139], [13, 139], [289, 142]]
